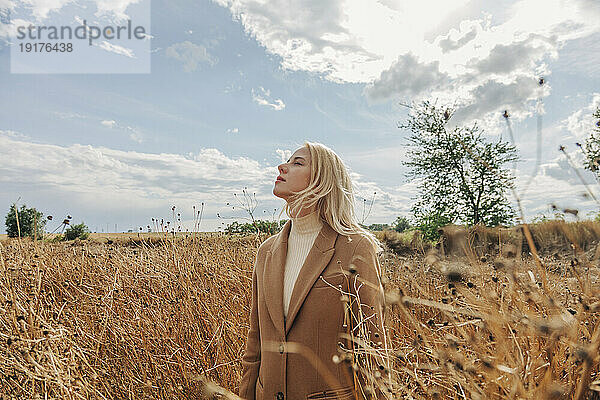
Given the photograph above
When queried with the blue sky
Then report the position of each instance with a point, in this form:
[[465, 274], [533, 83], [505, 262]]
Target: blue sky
[[235, 86]]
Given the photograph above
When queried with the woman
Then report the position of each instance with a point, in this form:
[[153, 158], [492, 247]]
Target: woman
[[318, 277]]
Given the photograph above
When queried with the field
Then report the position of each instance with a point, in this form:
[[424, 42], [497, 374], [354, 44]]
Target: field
[[126, 237], [157, 318]]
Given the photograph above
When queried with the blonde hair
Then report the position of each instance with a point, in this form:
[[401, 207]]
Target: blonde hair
[[331, 189]]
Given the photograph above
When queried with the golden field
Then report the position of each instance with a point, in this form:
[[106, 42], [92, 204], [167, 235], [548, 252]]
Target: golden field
[[129, 236], [157, 318]]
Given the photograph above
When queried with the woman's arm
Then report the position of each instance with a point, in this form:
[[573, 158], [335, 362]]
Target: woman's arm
[[369, 297], [251, 358]]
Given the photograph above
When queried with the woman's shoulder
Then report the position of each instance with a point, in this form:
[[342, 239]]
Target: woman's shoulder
[[266, 245], [357, 242]]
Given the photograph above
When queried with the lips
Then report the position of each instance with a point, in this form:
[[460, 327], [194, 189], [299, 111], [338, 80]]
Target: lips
[[280, 179]]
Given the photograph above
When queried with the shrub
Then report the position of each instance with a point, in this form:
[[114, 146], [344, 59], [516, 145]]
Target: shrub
[[592, 147], [56, 239], [376, 227], [401, 224], [271, 227], [430, 223], [28, 217], [80, 231]]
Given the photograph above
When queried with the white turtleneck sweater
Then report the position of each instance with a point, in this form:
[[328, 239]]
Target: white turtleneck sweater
[[302, 236]]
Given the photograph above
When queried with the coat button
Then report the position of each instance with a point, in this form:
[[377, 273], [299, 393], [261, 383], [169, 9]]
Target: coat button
[[281, 349], [279, 396]]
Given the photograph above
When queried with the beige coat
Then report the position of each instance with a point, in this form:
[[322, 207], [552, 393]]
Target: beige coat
[[277, 364]]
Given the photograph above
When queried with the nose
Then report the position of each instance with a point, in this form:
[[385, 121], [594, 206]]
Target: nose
[[281, 168]]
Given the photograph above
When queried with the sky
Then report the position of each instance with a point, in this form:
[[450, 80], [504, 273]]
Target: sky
[[235, 86]]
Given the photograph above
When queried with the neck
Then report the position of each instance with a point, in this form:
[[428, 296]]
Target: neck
[[311, 222], [305, 211]]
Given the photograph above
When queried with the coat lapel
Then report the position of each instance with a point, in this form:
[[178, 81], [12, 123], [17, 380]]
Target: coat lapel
[[317, 259], [273, 276]]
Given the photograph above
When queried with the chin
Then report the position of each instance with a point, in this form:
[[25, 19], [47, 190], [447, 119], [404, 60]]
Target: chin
[[278, 193]]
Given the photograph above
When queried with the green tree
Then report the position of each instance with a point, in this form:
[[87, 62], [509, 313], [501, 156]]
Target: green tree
[[463, 177], [376, 227], [80, 231], [592, 147], [401, 224], [270, 227], [29, 220], [429, 224]]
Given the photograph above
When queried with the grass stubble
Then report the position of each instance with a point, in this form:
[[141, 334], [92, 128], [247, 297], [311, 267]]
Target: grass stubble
[[169, 319]]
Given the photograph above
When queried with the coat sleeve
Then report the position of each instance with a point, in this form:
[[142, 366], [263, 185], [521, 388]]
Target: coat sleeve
[[251, 357], [368, 318]]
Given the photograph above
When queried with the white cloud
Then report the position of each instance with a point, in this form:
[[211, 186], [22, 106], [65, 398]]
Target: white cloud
[[96, 182], [407, 76], [134, 133], [74, 166], [344, 40], [114, 48], [284, 155], [306, 34], [41, 8], [456, 39], [382, 43], [582, 122], [580, 57], [561, 169], [558, 183], [518, 56], [190, 55], [99, 181], [9, 29], [494, 96], [566, 19], [489, 73], [114, 8], [109, 124], [14, 135], [103, 171], [262, 96], [355, 40]]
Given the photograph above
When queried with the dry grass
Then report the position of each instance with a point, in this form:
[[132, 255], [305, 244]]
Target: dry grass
[[90, 320], [404, 243], [93, 320], [487, 329]]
